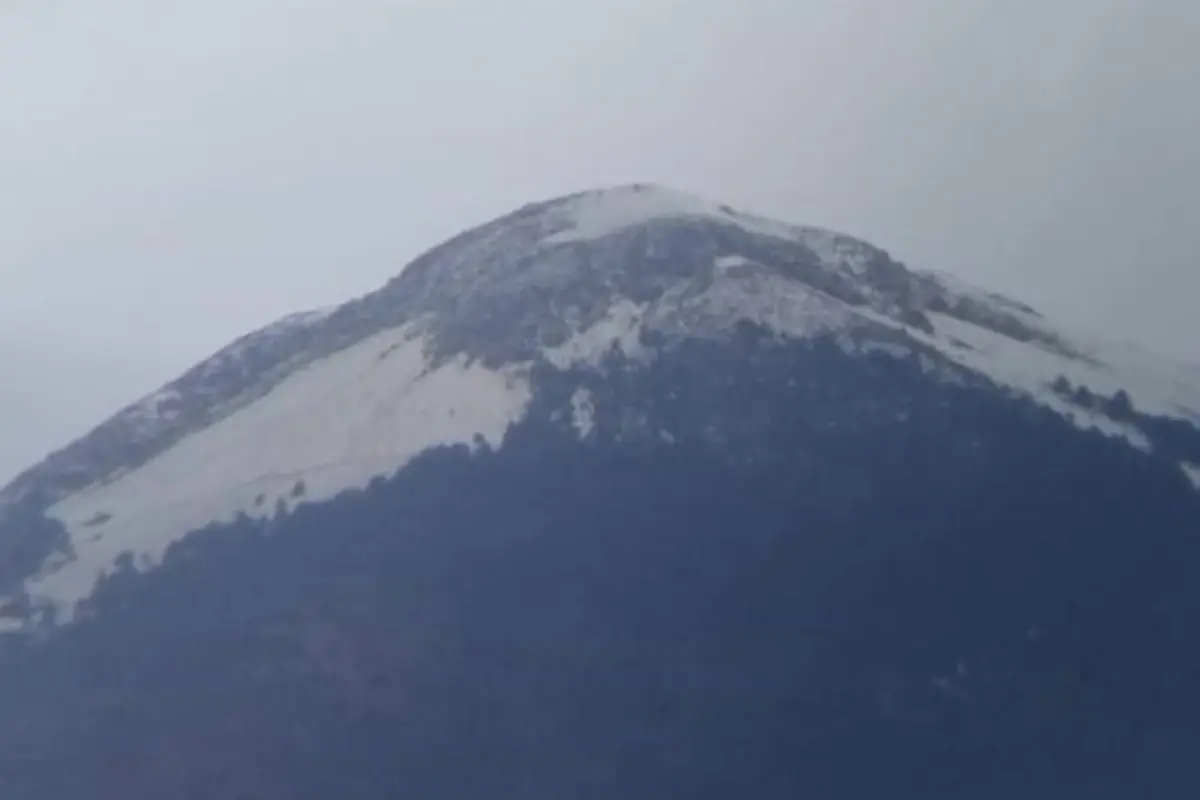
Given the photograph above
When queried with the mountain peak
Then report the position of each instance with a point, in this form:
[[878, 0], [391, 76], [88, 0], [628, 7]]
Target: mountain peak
[[606, 211], [759, 488], [600, 212], [446, 351]]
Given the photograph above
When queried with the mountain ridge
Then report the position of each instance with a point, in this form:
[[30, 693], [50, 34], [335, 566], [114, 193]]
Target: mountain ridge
[[250, 352], [561, 281], [676, 503]]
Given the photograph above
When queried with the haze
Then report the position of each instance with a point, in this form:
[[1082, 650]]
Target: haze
[[175, 174]]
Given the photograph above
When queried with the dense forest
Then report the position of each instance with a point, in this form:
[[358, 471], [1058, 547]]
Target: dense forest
[[770, 569]]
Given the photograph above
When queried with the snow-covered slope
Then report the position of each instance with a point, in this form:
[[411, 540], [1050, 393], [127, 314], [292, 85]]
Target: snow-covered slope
[[325, 401], [359, 413]]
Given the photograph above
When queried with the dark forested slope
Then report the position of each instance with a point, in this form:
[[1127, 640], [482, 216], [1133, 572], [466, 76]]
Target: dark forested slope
[[769, 569]]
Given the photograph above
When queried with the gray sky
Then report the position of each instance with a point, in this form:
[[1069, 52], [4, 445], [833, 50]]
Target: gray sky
[[174, 174]]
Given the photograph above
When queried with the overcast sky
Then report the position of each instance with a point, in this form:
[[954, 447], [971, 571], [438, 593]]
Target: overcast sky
[[174, 174]]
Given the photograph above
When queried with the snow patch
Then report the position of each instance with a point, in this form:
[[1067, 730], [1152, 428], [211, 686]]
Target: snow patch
[[162, 405], [1032, 370], [957, 288], [1193, 472], [784, 306], [794, 309], [838, 250], [1157, 385], [724, 263], [335, 424], [594, 215], [583, 412], [619, 328]]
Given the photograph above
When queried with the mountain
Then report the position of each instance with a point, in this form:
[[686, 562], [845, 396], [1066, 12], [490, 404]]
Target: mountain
[[623, 494]]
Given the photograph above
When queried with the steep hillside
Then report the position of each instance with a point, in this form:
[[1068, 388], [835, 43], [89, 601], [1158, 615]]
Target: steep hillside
[[623, 495]]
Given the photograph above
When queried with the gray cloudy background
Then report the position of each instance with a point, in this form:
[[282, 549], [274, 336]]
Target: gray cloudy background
[[174, 174]]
